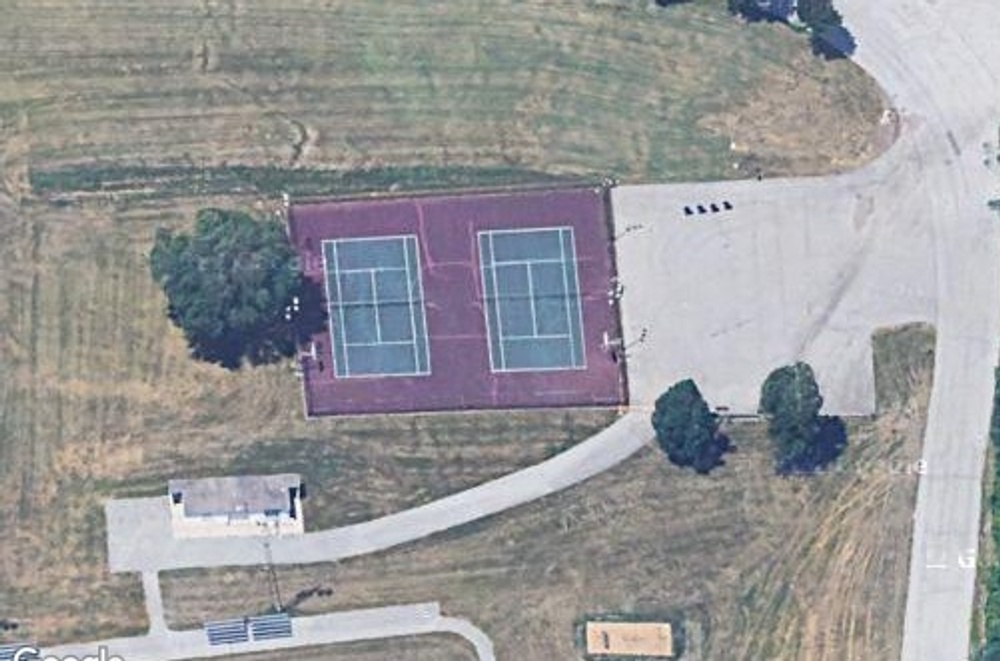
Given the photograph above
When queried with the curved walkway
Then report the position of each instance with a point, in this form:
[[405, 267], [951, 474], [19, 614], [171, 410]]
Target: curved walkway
[[140, 539]]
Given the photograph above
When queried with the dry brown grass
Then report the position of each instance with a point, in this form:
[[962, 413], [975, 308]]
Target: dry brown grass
[[97, 394], [578, 86], [99, 399], [761, 567]]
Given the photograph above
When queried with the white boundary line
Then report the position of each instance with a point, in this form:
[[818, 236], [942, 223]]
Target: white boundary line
[[378, 324], [340, 313], [374, 270], [527, 262], [486, 304], [380, 237], [550, 336], [531, 300], [409, 305], [329, 306], [387, 343], [566, 295], [579, 295], [417, 265], [496, 303]]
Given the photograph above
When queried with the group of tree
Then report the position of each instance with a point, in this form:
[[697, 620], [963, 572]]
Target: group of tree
[[827, 34], [803, 440], [229, 287], [687, 430]]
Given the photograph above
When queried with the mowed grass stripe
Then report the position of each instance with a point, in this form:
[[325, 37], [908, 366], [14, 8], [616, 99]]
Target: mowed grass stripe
[[544, 85], [99, 395]]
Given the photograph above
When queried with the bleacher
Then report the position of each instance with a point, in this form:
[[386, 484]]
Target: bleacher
[[269, 627], [242, 630], [7, 652], [227, 632]]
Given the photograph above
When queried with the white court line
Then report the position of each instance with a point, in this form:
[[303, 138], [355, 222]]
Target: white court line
[[373, 269], [486, 305], [378, 324], [423, 310], [531, 300], [340, 310], [579, 301], [329, 309], [409, 304], [386, 343], [496, 305], [529, 262], [565, 279]]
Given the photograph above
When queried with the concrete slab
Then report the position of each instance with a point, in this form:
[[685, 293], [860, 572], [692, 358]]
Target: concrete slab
[[794, 271]]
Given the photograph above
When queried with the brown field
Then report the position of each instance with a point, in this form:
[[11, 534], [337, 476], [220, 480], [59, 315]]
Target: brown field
[[100, 399], [758, 566], [569, 86], [97, 395]]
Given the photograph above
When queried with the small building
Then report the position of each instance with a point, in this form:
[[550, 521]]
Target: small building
[[639, 639], [237, 506]]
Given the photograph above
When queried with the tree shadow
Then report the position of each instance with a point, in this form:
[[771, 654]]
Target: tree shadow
[[833, 42], [714, 455], [828, 444], [312, 317], [272, 342], [830, 440]]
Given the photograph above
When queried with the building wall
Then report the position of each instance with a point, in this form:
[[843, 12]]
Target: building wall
[[185, 527]]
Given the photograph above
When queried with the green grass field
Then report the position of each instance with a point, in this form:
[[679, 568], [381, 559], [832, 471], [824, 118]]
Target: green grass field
[[179, 105]]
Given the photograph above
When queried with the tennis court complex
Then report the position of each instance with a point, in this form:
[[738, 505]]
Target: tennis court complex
[[532, 299], [457, 302], [376, 307]]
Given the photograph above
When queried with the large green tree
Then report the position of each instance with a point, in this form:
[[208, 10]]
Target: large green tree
[[228, 286], [686, 429], [818, 14], [803, 439]]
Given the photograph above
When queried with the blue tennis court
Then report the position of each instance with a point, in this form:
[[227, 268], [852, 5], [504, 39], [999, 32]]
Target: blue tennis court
[[532, 299], [377, 321]]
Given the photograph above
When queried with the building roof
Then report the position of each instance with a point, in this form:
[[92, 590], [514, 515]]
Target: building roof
[[246, 494], [654, 639]]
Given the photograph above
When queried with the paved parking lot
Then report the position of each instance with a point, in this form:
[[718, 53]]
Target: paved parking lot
[[796, 270]]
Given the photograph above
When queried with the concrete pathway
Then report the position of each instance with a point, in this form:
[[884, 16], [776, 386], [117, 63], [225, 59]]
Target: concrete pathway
[[153, 599], [343, 627], [140, 539]]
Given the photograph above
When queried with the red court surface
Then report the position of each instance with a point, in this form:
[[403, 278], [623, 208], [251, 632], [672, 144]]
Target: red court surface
[[446, 229]]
